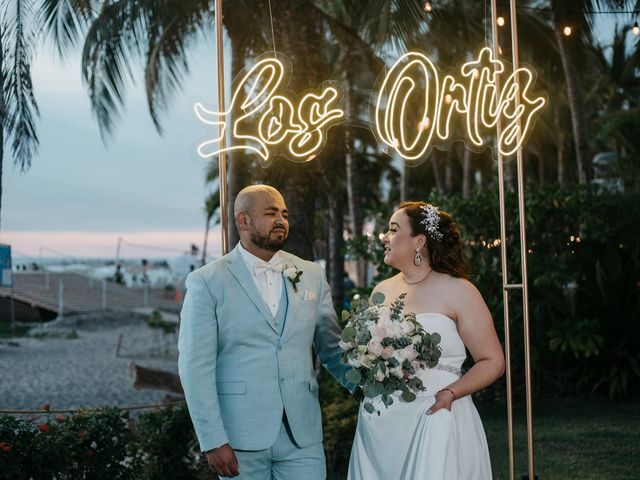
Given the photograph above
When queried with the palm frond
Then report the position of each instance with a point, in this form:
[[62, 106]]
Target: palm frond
[[65, 21], [113, 44], [21, 108], [167, 55]]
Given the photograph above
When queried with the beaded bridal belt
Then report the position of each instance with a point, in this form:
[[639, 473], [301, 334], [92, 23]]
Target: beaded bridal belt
[[448, 368]]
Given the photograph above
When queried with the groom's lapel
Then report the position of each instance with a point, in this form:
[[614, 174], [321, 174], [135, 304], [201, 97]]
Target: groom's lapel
[[238, 269], [294, 298]]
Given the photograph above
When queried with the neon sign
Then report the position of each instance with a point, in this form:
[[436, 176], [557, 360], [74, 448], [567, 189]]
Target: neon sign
[[414, 109], [269, 120]]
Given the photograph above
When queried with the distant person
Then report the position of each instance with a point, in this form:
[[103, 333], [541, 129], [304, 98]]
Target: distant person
[[248, 325], [119, 276]]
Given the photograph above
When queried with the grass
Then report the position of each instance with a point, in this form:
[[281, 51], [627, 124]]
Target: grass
[[585, 439], [573, 439]]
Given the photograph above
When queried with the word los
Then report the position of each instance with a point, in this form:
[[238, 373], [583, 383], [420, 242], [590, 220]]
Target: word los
[[413, 109], [298, 131]]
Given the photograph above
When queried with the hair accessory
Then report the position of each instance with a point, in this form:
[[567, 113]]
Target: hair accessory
[[431, 220]]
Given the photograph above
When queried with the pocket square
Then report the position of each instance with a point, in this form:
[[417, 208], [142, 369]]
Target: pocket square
[[308, 295]]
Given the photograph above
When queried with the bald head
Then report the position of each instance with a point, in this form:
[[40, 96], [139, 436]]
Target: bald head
[[248, 197], [262, 219]]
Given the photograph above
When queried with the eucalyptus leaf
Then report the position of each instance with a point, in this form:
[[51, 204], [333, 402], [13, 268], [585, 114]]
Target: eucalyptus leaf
[[408, 396], [348, 334], [354, 376], [377, 298], [369, 407], [374, 389]]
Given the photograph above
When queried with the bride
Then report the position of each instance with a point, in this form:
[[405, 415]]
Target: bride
[[439, 436]]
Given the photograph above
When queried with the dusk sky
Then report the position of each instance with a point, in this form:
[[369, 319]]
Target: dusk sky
[[79, 195]]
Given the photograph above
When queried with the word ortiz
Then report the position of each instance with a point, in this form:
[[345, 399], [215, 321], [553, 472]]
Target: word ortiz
[[413, 110]]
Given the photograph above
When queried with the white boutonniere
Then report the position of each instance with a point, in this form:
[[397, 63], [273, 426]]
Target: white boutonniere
[[293, 275]]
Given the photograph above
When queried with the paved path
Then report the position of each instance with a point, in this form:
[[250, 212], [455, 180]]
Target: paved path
[[83, 372]]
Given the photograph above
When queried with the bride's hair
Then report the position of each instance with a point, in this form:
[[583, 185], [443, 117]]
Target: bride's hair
[[445, 254]]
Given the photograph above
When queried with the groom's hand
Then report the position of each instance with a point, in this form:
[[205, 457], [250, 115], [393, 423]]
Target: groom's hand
[[223, 461]]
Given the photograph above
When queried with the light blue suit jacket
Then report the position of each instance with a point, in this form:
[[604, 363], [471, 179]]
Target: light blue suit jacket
[[238, 374]]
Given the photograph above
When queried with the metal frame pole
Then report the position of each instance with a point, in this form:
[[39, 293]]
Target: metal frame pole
[[222, 156], [504, 263], [523, 253]]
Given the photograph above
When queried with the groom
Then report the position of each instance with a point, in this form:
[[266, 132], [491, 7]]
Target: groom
[[248, 325]]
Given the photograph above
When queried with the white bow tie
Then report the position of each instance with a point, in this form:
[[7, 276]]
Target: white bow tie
[[261, 266]]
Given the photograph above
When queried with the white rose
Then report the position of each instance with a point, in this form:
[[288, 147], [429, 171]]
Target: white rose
[[396, 372], [345, 346], [290, 272], [354, 362], [407, 328], [380, 376], [416, 339]]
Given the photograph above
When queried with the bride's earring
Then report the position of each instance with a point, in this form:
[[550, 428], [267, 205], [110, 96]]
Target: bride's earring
[[417, 260]]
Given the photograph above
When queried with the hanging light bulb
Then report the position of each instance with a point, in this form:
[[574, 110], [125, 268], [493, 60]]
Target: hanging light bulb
[[636, 29], [567, 31], [427, 7], [500, 21]]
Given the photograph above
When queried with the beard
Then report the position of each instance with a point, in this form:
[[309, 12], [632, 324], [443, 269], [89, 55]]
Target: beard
[[266, 242]]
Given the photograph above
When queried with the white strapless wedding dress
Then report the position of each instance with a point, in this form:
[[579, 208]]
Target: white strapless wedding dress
[[404, 443]]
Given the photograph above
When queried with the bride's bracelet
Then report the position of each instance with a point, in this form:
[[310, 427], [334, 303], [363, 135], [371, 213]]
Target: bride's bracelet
[[448, 390]]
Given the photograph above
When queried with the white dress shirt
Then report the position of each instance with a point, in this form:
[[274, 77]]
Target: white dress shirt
[[268, 282]]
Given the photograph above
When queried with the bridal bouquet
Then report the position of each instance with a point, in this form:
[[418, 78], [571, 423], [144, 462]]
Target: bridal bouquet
[[386, 347]]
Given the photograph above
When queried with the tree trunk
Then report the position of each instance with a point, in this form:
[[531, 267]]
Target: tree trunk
[[448, 172], [335, 258], [466, 173], [435, 163], [356, 217], [576, 106]]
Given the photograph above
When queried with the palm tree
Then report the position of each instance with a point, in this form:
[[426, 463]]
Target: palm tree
[[579, 15]]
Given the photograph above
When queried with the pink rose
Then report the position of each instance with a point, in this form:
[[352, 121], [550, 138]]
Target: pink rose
[[409, 353], [387, 353], [375, 347]]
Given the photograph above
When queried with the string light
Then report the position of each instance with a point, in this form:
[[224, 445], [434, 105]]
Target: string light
[[636, 29], [567, 31], [427, 7], [500, 21]]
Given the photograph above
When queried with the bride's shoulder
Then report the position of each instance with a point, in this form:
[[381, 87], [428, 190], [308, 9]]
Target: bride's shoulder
[[461, 288]]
